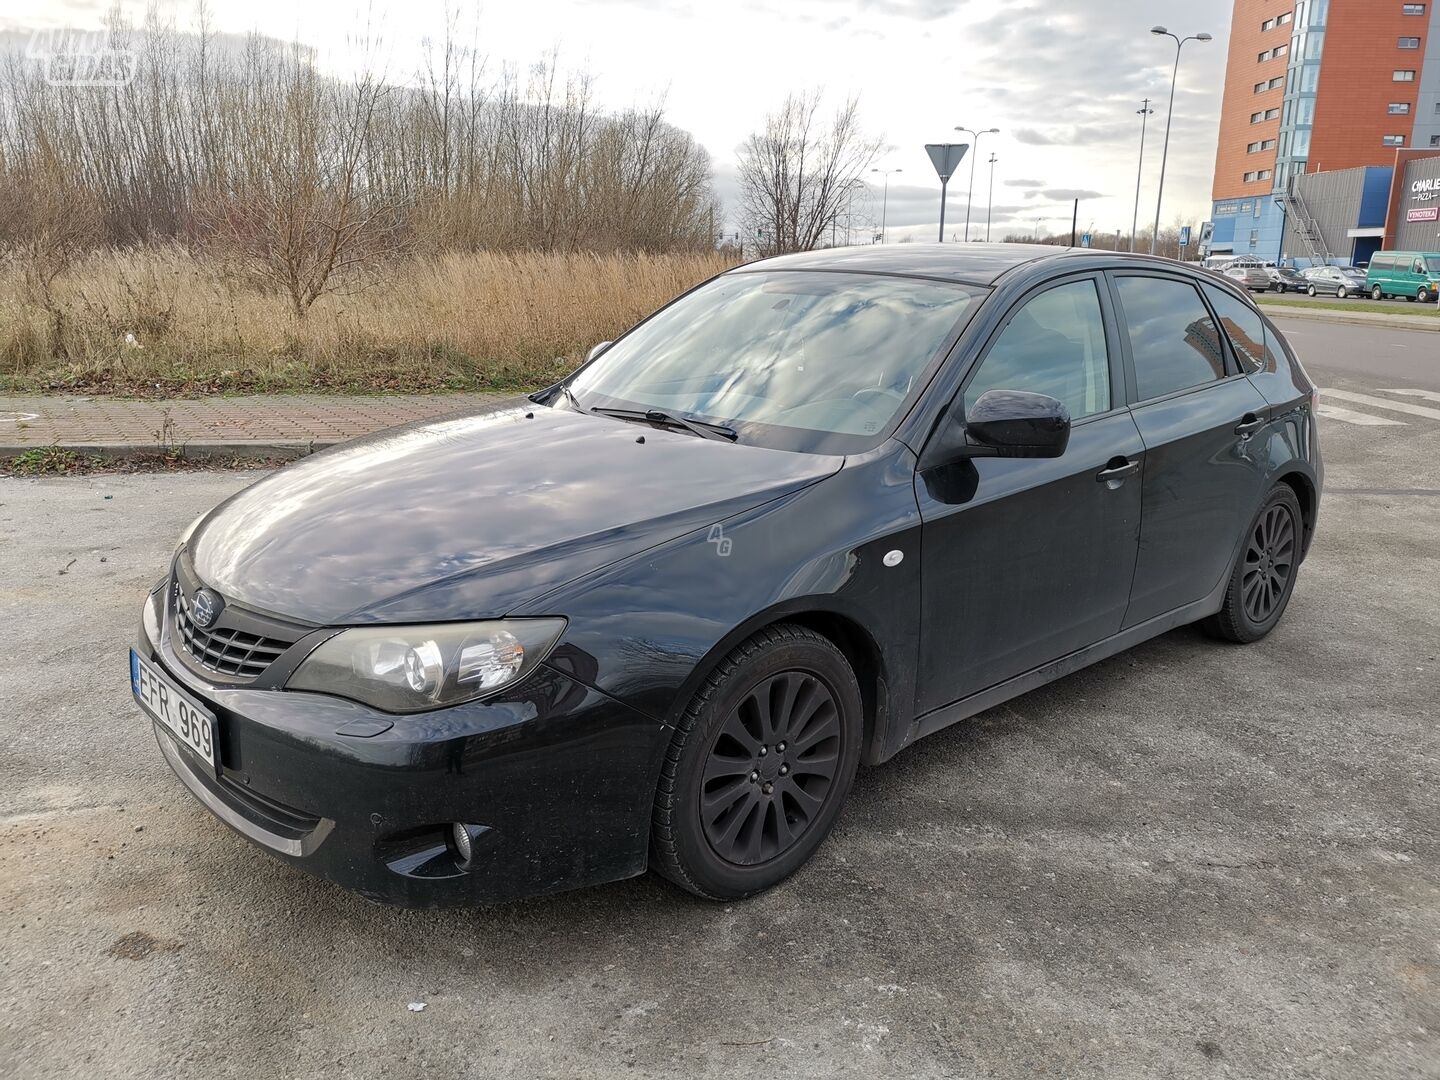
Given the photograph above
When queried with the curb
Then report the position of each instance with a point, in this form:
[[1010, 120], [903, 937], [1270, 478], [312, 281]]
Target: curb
[[1358, 318], [195, 451]]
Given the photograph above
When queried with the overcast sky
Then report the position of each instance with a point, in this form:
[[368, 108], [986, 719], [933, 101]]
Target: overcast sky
[[1062, 81]]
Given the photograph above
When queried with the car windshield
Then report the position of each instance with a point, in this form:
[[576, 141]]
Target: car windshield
[[798, 360]]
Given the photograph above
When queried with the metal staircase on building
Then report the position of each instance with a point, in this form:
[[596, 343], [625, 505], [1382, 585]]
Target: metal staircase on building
[[1303, 224]]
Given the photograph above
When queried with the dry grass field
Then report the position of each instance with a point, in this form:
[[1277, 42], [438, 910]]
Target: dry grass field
[[159, 320]]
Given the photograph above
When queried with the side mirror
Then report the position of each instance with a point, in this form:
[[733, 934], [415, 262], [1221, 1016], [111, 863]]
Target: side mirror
[[1016, 423], [596, 351]]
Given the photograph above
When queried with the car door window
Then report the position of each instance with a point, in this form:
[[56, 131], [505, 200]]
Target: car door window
[[1418, 267], [1245, 329], [1055, 345], [1173, 340]]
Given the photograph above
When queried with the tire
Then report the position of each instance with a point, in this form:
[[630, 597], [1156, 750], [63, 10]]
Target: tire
[[1310, 291], [1260, 586], [1377, 293], [1280, 289], [733, 746], [1341, 293], [1422, 295]]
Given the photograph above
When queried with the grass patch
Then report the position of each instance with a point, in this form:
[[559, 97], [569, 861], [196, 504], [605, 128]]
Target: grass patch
[[1352, 305], [62, 461], [478, 321]]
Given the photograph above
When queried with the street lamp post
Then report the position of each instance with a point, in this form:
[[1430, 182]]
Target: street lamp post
[[1160, 31], [885, 198], [974, 146], [1144, 112], [990, 200]]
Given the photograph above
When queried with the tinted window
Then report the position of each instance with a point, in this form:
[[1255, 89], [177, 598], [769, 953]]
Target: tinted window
[[1172, 338], [1055, 345], [1245, 329], [1382, 262]]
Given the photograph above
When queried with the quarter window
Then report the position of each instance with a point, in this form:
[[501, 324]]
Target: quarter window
[[1053, 345], [1173, 340], [1245, 329]]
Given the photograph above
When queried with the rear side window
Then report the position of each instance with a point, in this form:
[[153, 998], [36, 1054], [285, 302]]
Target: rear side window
[[1173, 340], [1245, 329], [1382, 262]]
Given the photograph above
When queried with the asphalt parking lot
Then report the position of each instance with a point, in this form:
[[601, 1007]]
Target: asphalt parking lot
[[1190, 860]]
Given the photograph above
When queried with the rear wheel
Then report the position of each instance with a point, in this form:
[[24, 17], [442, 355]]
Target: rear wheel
[[1264, 575], [1377, 293], [759, 767]]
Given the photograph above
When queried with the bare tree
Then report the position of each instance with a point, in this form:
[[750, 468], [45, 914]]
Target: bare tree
[[796, 176]]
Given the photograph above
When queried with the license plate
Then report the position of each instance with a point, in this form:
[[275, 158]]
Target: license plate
[[184, 717]]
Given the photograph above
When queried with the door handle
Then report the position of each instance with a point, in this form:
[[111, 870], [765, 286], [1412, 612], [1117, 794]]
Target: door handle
[[1249, 424], [1117, 470]]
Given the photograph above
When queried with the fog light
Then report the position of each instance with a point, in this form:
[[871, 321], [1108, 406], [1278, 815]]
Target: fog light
[[461, 833]]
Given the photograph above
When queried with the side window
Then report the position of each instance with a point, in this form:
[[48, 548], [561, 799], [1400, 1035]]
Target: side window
[[1245, 329], [1418, 267], [1172, 337], [1055, 345]]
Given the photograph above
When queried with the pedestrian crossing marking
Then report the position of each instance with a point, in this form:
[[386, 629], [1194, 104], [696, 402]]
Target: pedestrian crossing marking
[[1349, 416], [1433, 395], [1382, 403]]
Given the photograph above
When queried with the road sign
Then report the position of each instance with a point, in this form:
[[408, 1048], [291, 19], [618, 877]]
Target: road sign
[[946, 158], [1185, 236], [1085, 240]]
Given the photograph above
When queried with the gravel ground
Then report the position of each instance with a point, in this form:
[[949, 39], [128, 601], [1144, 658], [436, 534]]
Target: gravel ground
[[1190, 860]]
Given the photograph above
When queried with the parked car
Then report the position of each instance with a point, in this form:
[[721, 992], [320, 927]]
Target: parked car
[[817, 508], [1287, 279], [1341, 281], [1254, 278], [1414, 275]]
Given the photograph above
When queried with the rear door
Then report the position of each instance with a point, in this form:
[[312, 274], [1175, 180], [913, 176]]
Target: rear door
[[1196, 413]]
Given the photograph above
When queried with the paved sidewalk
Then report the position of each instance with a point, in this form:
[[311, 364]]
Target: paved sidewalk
[[253, 426], [1368, 318]]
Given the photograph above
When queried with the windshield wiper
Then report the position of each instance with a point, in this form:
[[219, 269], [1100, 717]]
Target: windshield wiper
[[660, 416]]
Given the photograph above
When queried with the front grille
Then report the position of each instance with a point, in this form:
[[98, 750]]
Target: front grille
[[227, 650]]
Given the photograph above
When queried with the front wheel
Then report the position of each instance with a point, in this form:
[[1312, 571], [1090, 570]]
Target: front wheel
[[1341, 293], [759, 766], [1310, 291], [1264, 575], [1422, 295], [1376, 293], [1281, 289]]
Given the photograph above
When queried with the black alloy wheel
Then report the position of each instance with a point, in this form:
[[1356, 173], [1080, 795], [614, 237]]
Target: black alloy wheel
[[1264, 575], [770, 768], [759, 765], [1269, 562]]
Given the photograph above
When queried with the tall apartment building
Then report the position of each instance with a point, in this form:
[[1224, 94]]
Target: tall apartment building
[[1317, 86]]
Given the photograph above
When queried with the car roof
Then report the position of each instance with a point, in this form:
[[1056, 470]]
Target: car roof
[[973, 264]]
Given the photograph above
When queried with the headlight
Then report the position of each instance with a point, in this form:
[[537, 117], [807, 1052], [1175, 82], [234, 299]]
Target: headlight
[[406, 669]]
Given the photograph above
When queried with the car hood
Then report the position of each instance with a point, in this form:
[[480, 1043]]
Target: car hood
[[469, 516]]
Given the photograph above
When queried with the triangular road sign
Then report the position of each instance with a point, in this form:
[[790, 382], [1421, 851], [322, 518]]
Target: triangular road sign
[[946, 157]]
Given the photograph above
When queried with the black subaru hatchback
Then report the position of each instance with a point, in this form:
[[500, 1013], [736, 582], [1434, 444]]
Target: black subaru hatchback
[[654, 616]]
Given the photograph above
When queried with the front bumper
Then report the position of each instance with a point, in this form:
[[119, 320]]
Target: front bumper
[[555, 779]]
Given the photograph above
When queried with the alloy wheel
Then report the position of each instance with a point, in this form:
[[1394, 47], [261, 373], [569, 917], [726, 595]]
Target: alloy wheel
[[771, 768], [1269, 562]]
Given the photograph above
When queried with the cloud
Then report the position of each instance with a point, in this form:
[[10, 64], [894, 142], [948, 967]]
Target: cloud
[[1065, 194]]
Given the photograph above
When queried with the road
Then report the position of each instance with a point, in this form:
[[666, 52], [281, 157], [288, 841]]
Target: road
[[1333, 350], [1190, 860]]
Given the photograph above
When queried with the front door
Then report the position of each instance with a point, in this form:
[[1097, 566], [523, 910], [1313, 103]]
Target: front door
[[1198, 417], [1026, 560]]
